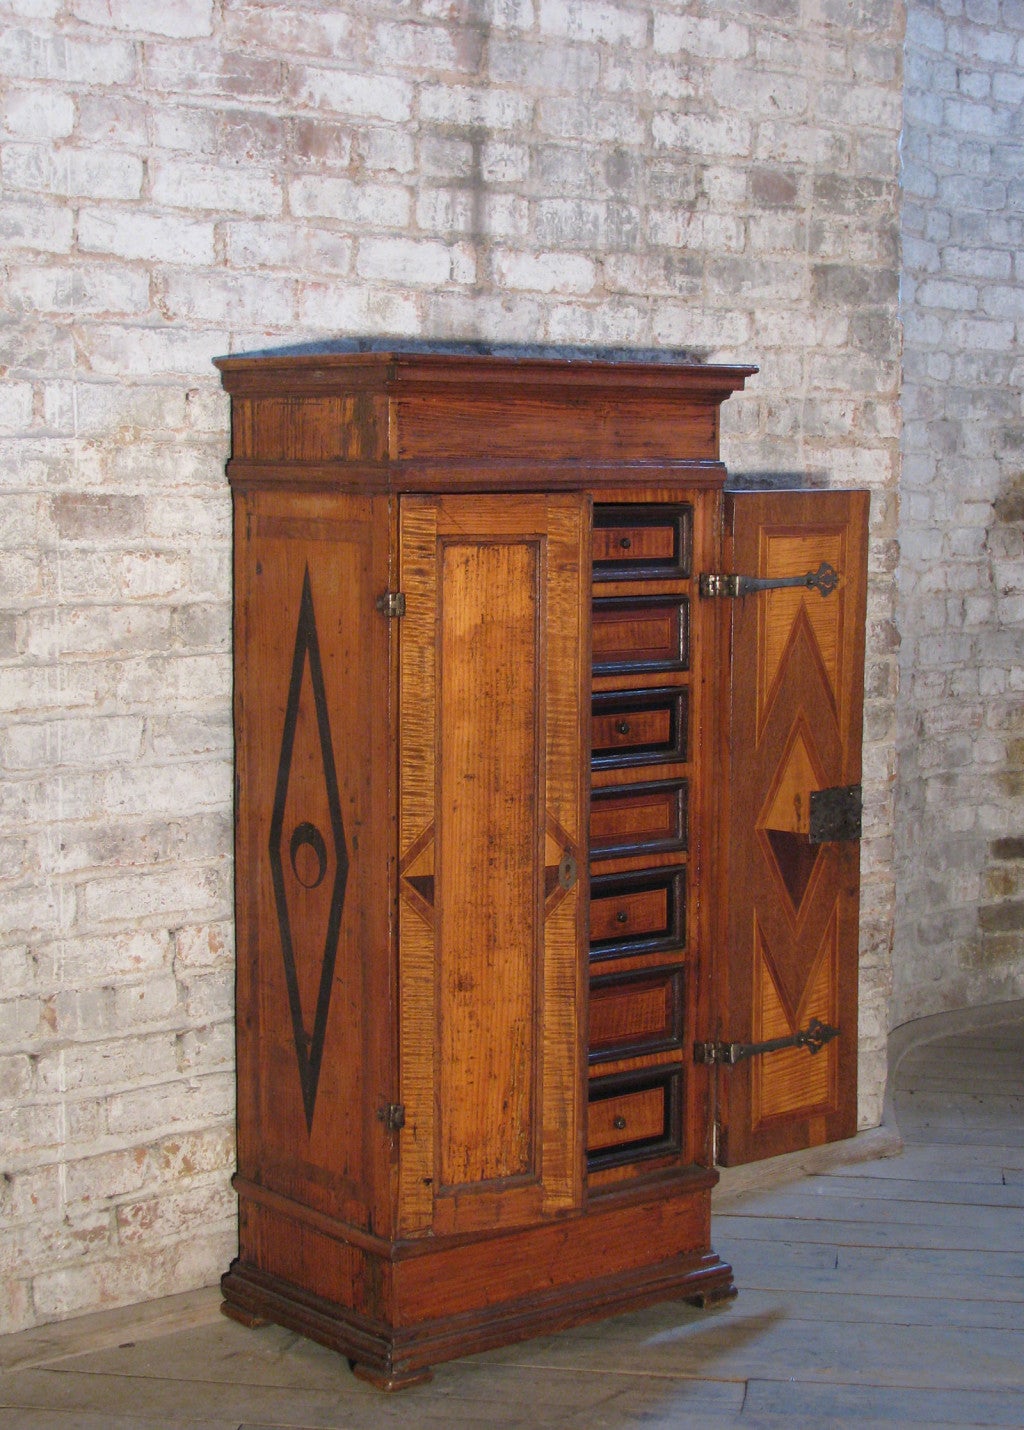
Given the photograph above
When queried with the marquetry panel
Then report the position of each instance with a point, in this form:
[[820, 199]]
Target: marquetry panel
[[795, 706]]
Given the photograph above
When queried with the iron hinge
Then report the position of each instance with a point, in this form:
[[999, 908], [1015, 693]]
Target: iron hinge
[[813, 1038], [835, 814], [712, 585], [392, 1116], [391, 603]]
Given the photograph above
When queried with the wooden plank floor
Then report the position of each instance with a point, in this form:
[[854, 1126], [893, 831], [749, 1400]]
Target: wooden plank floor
[[879, 1293]]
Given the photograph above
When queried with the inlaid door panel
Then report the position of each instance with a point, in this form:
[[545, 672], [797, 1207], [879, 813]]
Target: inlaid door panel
[[491, 857], [790, 931]]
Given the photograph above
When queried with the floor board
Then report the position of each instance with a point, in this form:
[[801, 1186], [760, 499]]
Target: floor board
[[871, 1294]]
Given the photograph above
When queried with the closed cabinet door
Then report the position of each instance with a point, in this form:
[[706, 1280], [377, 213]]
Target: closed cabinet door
[[491, 858], [788, 965]]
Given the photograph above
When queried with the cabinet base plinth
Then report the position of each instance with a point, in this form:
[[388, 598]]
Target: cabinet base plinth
[[393, 1357]]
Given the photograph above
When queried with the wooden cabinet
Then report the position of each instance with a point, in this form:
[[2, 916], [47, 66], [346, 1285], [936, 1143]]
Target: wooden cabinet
[[530, 833]]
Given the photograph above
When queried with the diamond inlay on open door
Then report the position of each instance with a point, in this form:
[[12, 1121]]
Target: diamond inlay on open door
[[785, 821]]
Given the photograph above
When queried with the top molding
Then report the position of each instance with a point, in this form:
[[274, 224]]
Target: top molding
[[386, 420]]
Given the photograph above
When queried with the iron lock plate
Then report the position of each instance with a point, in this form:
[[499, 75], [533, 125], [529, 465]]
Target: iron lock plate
[[835, 814]]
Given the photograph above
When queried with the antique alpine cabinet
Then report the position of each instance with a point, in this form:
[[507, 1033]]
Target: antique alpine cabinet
[[547, 805]]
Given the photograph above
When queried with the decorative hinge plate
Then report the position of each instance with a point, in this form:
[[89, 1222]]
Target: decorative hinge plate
[[835, 814], [711, 585], [813, 1038], [392, 1116], [391, 603]]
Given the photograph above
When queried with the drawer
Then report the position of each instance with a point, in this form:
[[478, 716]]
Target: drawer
[[642, 542], [639, 727], [636, 913], [633, 1117], [642, 633], [644, 818], [633, 1015]]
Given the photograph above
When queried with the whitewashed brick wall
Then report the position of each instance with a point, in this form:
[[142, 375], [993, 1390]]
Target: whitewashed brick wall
[[960, 930], [184, 178]]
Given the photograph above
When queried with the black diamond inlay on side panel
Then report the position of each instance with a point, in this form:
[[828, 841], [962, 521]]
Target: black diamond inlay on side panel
[[308, 851]]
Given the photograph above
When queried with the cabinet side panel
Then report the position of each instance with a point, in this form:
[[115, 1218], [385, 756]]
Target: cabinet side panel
[[311, 680]]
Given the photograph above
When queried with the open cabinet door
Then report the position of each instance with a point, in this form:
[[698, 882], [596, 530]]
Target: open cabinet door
[[787, 961]]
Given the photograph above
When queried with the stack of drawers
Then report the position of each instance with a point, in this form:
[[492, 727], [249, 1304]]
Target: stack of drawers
[[639, 838]]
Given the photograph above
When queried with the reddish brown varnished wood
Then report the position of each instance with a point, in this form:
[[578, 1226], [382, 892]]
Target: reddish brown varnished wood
[[790, 924], [468, 993]]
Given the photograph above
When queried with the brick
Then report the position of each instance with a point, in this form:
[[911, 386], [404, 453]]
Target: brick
[[229, 300], [178, 893], [592, 20], [216, 187], [544, 272], [707, 38], [489, 109], [546, 66], [283, 29], [159, 238], [122, 1281], [411, 45], [404, 260], [348, 201], [75, 172], [179, 19], [39, 113], [36, 224], [29, 54], [206, 70], [603, 121], [363, 96], [703, 134]]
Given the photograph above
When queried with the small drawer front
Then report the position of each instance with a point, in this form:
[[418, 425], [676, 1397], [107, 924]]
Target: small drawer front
[[634, 1117], [638, 728], [634, 913], [633, 1016], [630, 1117], [638, 819], [642, 542], [646, 634]]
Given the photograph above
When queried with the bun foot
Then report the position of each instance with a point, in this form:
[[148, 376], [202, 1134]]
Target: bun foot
[[390, 1380]]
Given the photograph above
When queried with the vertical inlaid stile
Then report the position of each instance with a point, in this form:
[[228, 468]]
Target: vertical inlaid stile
[[417, 800], [567, 711]]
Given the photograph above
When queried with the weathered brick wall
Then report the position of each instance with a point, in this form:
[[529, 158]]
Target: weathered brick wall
[[187, 177], [960, 931]]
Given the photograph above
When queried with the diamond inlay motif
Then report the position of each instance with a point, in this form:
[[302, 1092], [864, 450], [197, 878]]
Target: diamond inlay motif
[[307, 859], [785, 822]]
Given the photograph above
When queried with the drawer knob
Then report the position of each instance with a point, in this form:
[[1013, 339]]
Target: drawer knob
[[619, 1123], [626, 542], [621, 917], [622, 726]]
